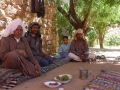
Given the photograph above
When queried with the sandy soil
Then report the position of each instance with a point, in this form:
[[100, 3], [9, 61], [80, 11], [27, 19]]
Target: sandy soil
[[70, 68], [73, 68]]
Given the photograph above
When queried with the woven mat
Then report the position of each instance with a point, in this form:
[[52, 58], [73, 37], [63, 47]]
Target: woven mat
[[107, 80], [9, 78]]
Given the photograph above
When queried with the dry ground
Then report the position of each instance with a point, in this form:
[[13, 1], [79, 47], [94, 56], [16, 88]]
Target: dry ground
[[73, 68]]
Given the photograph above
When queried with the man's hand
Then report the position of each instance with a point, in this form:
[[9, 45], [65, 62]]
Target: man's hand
[[37, 67], [22, 53], [63, 56], [83, 57], [42, 54]]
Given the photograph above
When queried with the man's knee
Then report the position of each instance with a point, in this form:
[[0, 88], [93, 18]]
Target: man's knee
[[43, 63], [13, 54], [71, 55], [91, 55], [49, 59]]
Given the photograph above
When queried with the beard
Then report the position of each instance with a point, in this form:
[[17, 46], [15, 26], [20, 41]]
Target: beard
[[80, 38]]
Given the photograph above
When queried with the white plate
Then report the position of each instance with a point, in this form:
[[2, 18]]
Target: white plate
[[52, 86], [70, 77]]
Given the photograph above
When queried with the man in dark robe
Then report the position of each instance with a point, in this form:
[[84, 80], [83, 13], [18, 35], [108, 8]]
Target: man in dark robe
[[33, 36]]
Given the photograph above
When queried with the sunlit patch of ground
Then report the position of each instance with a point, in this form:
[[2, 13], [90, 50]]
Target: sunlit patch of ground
[[112, 55], [109, 61]]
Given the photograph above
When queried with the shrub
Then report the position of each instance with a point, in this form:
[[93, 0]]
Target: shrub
[[112, 40]]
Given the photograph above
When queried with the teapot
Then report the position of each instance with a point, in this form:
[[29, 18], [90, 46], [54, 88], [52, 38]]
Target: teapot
[[83, 74]]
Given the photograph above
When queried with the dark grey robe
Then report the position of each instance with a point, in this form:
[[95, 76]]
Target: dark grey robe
[[35, 45]]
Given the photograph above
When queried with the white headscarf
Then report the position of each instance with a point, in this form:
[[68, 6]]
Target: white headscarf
[[11, 27], [78, 31]]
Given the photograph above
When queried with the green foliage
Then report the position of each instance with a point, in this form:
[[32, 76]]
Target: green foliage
[[112, 40], [106, 15], [91, 36], [112, 2], [102, 13], [82, 7], [61, 22]]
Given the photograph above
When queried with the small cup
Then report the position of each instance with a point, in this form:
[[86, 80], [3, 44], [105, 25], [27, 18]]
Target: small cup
[[61, 89]]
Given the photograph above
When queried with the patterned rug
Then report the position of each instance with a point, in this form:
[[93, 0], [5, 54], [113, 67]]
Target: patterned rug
[[9, 78], [107, 80]]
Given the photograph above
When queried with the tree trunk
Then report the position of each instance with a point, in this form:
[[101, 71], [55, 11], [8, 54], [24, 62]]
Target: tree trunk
[[101, 39], [74, 20]]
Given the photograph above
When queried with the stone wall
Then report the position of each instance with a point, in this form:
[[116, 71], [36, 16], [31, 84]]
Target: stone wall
[[11, 9]]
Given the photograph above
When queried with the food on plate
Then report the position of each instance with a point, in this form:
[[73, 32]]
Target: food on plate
[[53, 83], [63, 77]]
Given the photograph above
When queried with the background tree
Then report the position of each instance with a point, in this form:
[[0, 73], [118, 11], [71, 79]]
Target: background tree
[[106, 15], [86, 13], [80, 20], [60, 24]]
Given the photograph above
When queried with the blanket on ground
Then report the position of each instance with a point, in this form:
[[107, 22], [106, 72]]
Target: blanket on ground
[[108, 80], [9, 78]]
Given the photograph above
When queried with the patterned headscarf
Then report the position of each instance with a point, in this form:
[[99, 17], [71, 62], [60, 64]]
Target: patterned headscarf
[[30, 29], [78, 31], [11, 27]]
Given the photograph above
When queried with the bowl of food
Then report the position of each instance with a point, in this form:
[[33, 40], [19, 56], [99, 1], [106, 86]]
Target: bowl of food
[[52, 84], [63, 78]]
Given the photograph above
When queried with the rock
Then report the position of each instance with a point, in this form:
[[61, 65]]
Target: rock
[[2, 23]]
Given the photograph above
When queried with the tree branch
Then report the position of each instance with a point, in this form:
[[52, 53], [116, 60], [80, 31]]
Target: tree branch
[[60, 9], [72, 12], [67, 15], [84, 23]]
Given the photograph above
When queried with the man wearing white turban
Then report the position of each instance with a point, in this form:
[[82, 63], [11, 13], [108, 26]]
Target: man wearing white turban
[[15, 52], [79, 50]]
